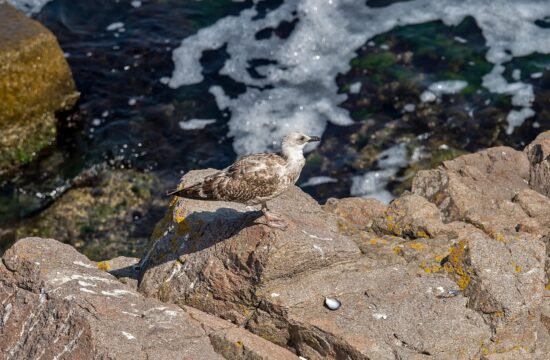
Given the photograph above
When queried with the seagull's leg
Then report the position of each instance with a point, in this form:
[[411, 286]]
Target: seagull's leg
[[273, 220]]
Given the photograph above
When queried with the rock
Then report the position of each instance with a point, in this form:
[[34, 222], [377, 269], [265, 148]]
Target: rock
[[35, 82], [58, 304], [386, 314], [110, 214], [236, 343], [214, 255], [538, 153], [357, 212], [410, 216], [455, 269], [481, 189]]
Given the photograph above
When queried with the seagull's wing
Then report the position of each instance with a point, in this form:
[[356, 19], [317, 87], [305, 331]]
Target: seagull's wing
[[250, 177]]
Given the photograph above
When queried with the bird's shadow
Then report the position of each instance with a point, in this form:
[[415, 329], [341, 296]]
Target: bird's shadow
[[200, 230]]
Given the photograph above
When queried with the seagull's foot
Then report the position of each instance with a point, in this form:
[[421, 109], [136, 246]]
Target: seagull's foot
[[275, 220]]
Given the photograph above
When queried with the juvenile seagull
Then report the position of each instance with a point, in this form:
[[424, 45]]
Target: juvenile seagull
[[255, 179]]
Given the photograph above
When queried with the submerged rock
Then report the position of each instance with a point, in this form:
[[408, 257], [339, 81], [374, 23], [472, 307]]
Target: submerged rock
[[109, 214], [35, 83]]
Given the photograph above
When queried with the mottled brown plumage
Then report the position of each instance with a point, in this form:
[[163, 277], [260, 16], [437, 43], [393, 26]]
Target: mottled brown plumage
[[254, 179]]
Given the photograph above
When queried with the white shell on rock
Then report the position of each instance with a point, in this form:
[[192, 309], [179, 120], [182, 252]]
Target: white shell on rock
[[332, 304]]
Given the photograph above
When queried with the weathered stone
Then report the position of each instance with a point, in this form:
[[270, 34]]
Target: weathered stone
[[234, 342], [110, 214], [55, 303], [213, 255], [58, 303], [385, 314], [480, 189], [357, 212], [35, 82], [538, 153], [410, 216]]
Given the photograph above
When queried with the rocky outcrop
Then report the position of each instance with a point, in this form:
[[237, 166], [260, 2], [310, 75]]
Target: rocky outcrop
[[458, 268], [453, 270], [35, 82], [55, 303]]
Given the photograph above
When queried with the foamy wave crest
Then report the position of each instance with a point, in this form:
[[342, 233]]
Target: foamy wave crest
[[28, 6], [296, 86]]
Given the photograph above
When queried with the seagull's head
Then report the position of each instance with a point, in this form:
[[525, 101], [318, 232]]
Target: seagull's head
[[296, 141]]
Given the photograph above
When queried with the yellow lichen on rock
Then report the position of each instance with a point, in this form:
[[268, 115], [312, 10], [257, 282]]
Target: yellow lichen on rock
[[456, 265], [103, 265]]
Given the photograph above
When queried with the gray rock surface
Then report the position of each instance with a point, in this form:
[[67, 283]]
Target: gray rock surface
[[453, 270], [456, 269], [57, 304]]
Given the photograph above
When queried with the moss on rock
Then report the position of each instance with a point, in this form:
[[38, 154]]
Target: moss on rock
[[111, 216], [35, 82]]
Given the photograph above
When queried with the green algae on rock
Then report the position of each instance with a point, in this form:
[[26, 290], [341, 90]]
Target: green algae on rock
[[106, 216], [35, 82]]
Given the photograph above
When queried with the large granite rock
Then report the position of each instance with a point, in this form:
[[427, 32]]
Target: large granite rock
[[56, 304], [214, 255], [35, 82], [453, 270], [456, 269]]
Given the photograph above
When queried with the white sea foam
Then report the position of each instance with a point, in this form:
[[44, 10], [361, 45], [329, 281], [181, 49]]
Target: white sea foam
[[115, 26], [318, 180], [298, 90], [447, 87], [373, 183], [28, 6], [355, 88], [195, 124]]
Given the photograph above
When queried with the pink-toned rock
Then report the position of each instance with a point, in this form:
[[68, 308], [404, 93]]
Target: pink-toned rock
[[214, 255], [56, 304], [538, 153]]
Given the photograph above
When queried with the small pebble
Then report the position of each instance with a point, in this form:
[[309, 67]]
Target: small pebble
[[332, 304]]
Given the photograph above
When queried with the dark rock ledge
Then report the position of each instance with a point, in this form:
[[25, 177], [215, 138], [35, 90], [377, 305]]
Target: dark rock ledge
[[455, 269]]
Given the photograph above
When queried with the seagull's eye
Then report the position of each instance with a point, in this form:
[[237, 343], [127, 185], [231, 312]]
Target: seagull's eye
[[302, 138]]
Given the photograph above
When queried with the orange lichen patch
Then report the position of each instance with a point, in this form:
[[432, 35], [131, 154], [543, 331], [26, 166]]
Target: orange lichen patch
[[499, 313], [397, 250], [438, 258], [517, 268], [179, 214], [495, 235], [547, 287], [430, 269], [456, 265], [499, 237], [239, 343], [373, 241], [103, 265], [417, 246], [422, 234]]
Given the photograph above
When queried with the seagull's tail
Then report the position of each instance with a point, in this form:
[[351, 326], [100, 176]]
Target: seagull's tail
[[192, 192]]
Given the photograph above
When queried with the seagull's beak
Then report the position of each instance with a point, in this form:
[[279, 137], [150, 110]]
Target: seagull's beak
[[314, 138]]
